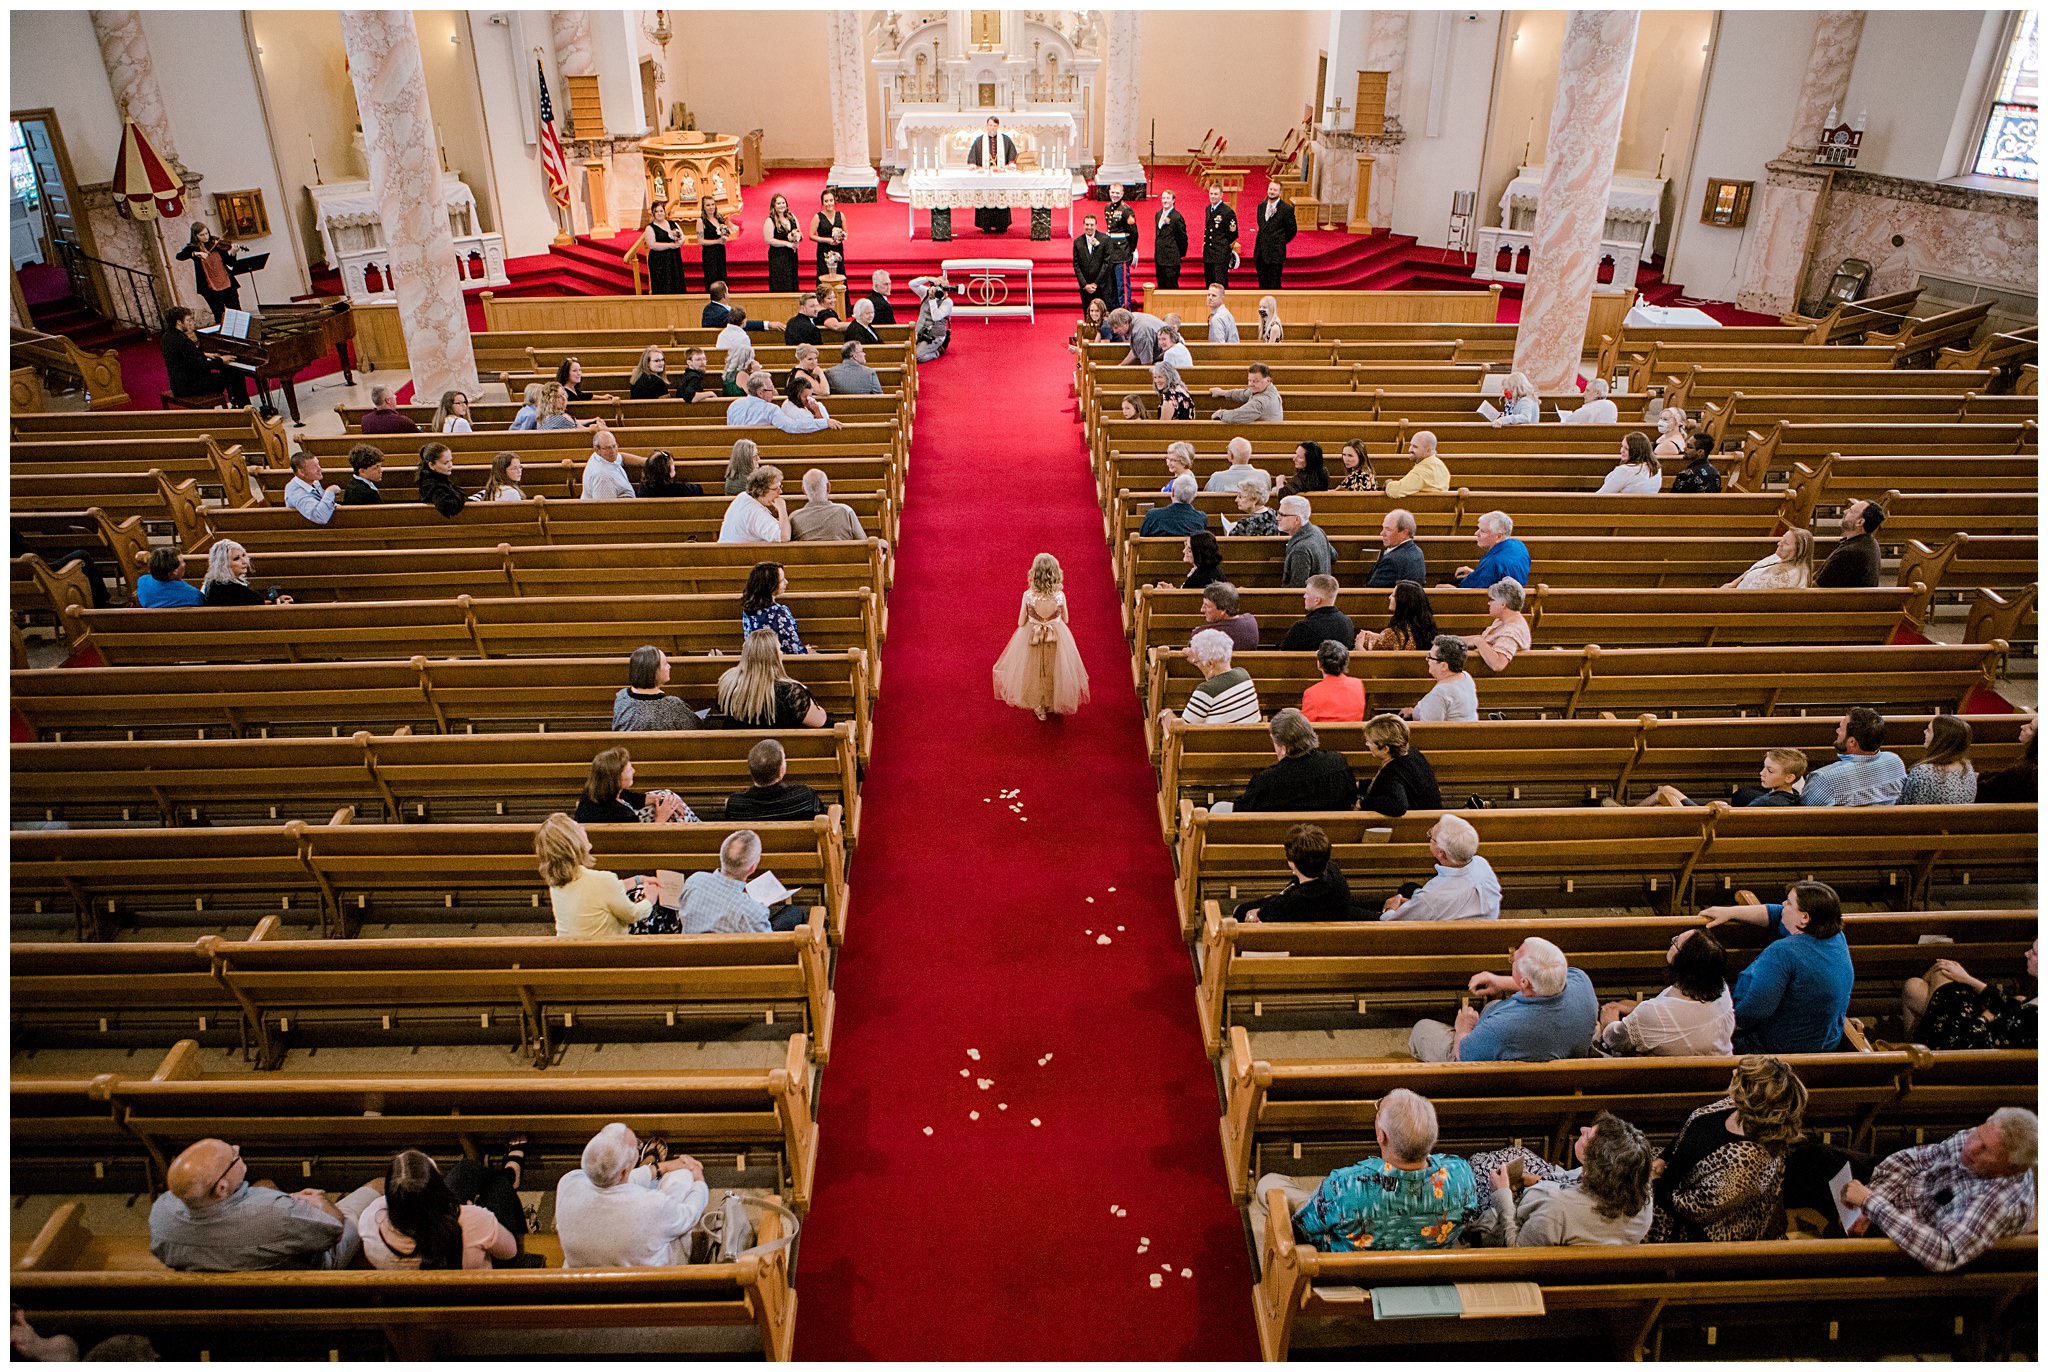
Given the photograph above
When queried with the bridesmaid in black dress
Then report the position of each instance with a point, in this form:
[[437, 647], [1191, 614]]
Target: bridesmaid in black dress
[[714, 230], [828, 231], [662, 244], [783, 234]]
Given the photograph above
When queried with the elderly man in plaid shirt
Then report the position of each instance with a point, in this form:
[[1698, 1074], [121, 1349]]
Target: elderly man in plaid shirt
[[1946, 1203]]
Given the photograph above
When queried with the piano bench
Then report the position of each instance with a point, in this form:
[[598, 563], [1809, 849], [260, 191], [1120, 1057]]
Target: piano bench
[[216, 400]]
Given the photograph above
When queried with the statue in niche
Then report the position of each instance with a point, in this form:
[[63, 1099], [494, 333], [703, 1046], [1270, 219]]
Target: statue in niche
[[689, 187], [718, 186]]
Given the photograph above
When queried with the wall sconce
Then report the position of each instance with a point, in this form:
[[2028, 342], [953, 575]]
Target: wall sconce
[[1727, 203]]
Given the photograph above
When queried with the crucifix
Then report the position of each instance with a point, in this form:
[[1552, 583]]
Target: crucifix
[[1336, 107]]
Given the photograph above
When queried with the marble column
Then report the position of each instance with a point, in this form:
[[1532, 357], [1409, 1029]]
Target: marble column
[[1386, 49], [1564, 257], [1773, 260], [575, 53], [1120, 161], [131, 75], [852, 176], [405, 175]]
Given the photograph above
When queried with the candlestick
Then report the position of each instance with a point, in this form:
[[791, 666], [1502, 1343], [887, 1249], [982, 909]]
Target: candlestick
[[314, 149]]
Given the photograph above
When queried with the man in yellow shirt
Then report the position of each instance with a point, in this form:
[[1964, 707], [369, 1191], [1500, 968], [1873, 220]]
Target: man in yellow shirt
[[1428, 475]]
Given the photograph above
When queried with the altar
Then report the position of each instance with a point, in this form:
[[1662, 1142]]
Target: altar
[[350, 222], [938, 178], [1635, 206]]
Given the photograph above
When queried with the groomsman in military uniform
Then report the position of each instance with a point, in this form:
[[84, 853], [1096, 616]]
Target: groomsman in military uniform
[[1120, 227], [1219, 239], [1276, 231], [1169, 243]]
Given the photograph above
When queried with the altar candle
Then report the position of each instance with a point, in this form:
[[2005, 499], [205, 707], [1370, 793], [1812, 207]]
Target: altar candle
[[1665, 146]]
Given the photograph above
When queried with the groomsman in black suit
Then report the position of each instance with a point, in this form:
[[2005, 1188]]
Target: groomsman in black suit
[[1091, 261], [1276, 231], [1169, 243], [1219, 239]]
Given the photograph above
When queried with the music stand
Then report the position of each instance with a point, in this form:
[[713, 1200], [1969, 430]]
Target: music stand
[[249, 266]]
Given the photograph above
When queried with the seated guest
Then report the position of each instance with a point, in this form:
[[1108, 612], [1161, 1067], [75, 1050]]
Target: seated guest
[[1598, 408], [188, 371], [1857, 560], [569, 376], [1309, 472], [772, 796], [1792, 996], [1637, 473], [1175, 351], [1604, 1200], [366, 476], [609, 798], [303, 492], [803, 325], [451, 416], [650, 375], [1671, 431], [1229, 477], [1180, 458], [1947, 1008], [1505, 555], [1864, 773], [690, 384], [717, 314], [1204, 556], [1548, 1012], [759, 409], [1323, 620], [739, 468], [1947, 1203], [1220, 612], [436, 480], [1408, 1199], [210, 1219], [1723, 1177], [852, 375], [806, 365], [643, 705], [529, 407], [1339, 698], [1225, 694], [1454, 699], [1305, 777], [1400, 556], [1405, 780], [1700, 476], [1257, 520], [759, 694], [732, 335], [384, 416], [761, 607], [227, 578], [760, 514], [1943, 775], [1507, 629], [719, 902], [554, 411], [1308, 548], [878, 296], [1174, 400], [1464, 887], [1778, 784], [658, 478], [164, 588], [1179, 517], [802, 411], [611, 1212], [1357, 473], [822, 517], [2019, 784], [1427, 474], [470, 1219], [740, 368], [1257, 402], [1693, 1017], [860, 324], [1411, 623], [1519, 403], [1317, 891], [589, 903], [1135, 406], [1788, 567], [604, 473]]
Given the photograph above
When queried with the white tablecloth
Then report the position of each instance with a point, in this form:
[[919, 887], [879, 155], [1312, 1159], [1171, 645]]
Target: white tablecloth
[[1670, 317], [968, 189]]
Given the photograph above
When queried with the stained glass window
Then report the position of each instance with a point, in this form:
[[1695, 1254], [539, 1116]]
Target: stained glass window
[[2013, 131], [21, 172]]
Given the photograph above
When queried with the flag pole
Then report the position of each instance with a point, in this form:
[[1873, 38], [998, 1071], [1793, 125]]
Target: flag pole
[[563, 238]]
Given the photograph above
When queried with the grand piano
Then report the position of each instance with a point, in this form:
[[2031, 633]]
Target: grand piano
[[283, 341]]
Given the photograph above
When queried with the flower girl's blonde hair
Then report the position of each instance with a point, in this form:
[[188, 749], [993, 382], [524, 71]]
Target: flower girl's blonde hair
[[1046, 576]]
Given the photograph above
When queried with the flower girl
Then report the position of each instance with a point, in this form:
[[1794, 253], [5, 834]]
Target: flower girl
[[1041, 670]]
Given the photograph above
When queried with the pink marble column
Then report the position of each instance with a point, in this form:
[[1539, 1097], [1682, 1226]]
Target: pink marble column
[[405, 175], [131, 75], [1836, 36], [1120, 127], [575, 53], [1386, 49], [852, 176], [1564, 258]]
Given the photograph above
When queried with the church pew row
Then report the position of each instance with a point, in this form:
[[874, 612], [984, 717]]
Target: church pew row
[[1836, 480], [1849, 320], [1640, 1301], [1394, 310], [1999, 352], [622, 410], [1632, 343], [1670, 358], [1698, 385], [267, 995], [1659, 858], [340, 876], [1922, 338], [244, 426], [1744, 409], [73, 1280], [1558, 761], [497, 344], [782, 449], [519, 695], [1329, 974], [115, 1133], [1964, 561], [1784, 442], [439, 778]]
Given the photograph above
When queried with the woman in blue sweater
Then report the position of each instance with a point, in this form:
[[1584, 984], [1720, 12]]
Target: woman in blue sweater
[[1793, 995]]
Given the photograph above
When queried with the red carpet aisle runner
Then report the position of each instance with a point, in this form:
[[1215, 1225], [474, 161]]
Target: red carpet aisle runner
[[935, 1234]]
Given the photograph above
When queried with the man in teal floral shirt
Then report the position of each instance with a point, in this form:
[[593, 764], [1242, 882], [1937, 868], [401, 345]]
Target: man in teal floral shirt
[[1406, 1199]]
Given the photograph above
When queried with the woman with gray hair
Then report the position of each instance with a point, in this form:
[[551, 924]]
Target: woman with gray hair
[[1174, 400], [1259, 521], [614, 1211], [1507, 629], [1518, 401], [1226, 694], [860, 328], [739, 365], [227, 578], [739, 468]]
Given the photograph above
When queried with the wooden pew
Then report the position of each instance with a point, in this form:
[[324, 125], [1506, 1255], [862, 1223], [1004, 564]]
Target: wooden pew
[[1850, 320], [2002, 353], [269, 995], [1742, 410], [1920, 339], [97, 374], [1699, 384], [1968, 561], [1341, 307], [244, 426], [346, 873], [1785, 442], [1672, 359], [870, 434], [1631, 343], [1841, 479], [620, 412]]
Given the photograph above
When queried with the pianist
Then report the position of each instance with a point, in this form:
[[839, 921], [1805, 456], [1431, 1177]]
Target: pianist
[[191, 373], [303, 492], [384, 416]]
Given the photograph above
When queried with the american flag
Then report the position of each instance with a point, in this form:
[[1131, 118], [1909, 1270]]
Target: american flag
[[554, 166]]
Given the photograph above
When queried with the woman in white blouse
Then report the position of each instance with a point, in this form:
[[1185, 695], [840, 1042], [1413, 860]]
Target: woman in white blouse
[[1692, 1017], [1789, 568], [1638, 473], [452, 415]]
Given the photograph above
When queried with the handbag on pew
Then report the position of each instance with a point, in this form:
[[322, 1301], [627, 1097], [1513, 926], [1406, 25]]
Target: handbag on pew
[[726, 1233]]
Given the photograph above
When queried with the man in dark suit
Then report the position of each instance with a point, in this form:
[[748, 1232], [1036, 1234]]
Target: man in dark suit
[[1219, 239], [189, 371], [885, 313], [1091, 261], [1400, 556], [1169, 243], [1276, 231], [717, 313]]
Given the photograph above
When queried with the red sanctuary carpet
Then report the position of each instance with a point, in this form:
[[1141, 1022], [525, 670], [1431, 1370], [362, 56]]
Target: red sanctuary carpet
[[935, 1234]]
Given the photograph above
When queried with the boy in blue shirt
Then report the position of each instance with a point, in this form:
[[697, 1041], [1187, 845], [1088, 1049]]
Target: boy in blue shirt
[[163, 588]]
